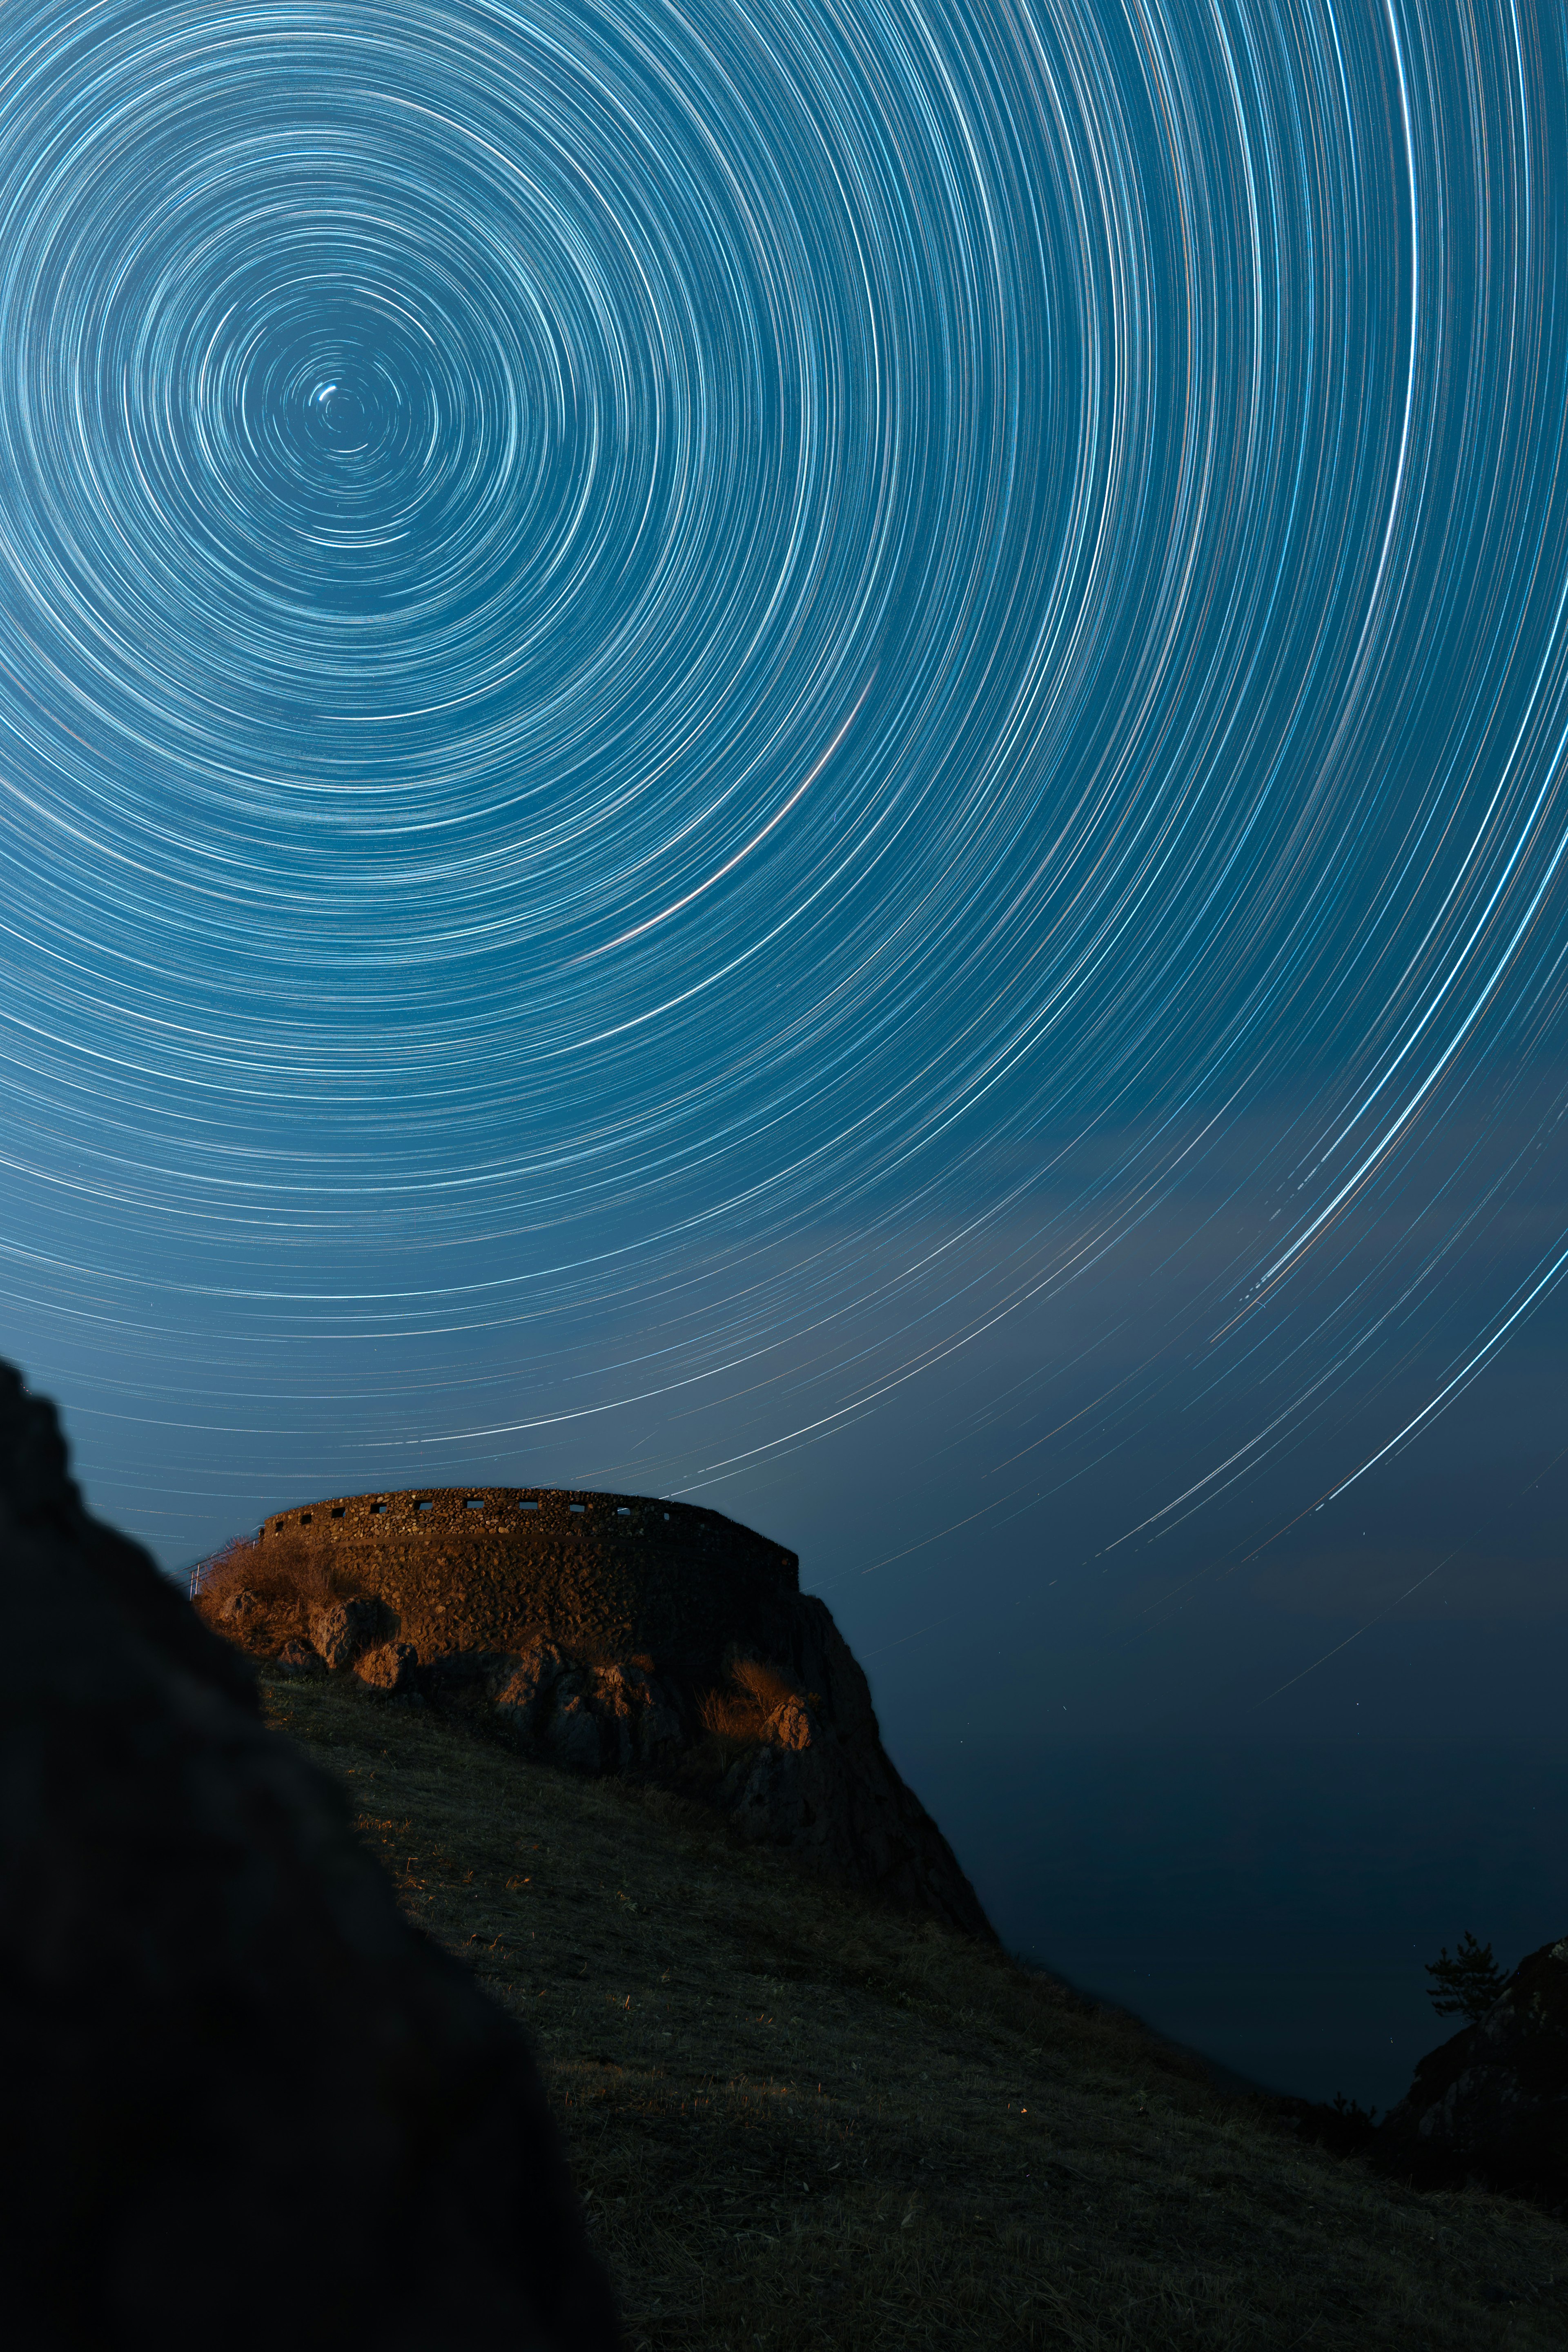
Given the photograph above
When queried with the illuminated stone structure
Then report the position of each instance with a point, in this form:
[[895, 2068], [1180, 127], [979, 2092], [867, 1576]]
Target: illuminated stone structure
[[471, 1569], [610, 1634]]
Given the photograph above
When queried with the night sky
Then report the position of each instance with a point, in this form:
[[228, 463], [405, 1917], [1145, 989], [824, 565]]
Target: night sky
[[817, 756]]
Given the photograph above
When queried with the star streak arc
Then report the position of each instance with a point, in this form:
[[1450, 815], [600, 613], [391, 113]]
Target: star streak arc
[[777, 688]]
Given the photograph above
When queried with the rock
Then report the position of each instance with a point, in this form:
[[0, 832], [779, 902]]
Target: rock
[[391, 1668], [658, 1726], [575, 1734], [1492, 2104], [773, 1797], [615, 1717], [297, 1658], [522, 1691], [238, 1607], [228, 2057], [794, 1726], [640, 1714], [843, 1806], [343, 1628]]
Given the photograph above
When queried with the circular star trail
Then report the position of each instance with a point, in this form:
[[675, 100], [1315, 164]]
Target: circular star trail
[[701, 704]]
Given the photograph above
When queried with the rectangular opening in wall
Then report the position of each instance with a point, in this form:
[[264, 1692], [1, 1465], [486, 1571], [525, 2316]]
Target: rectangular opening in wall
[[425, 1506], [528, 1506], [338, 1512], [475, 1503], [279, 1527], [623, 1510], [378, 1507], [576, 1506]]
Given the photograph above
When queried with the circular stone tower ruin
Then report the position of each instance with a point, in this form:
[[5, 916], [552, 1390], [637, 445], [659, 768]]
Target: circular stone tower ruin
[[475, 1569], [606, 1633]]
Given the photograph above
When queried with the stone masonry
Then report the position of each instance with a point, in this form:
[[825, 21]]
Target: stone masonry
[[615, 1633]]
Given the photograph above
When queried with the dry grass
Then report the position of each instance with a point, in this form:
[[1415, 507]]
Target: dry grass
[[288, 1580], [738, 1718], [803, 2123]]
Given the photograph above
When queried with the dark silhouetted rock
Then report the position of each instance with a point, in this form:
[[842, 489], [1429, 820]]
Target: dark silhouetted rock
[[246, 2103], [622, 1633], [1492, 2104]]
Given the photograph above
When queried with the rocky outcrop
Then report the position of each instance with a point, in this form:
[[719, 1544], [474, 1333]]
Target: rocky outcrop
[[788, 1747], [607, 1633], [820, 1781], [1492, 2104], [246, 2103]]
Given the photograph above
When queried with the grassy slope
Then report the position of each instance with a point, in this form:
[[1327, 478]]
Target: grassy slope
[[800, 2121]]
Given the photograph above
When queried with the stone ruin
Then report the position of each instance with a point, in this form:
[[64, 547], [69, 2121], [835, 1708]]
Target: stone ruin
[[609, 1633]]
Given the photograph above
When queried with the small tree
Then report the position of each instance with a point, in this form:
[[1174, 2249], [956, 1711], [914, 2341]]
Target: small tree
[[1466, 1985]]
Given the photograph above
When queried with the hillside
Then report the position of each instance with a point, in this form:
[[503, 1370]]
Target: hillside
[[803, 2120]]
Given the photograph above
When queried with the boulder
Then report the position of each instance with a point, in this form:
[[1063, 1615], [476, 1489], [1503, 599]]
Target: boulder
[[297, 1658], [391, 1667], [576, 1732], [645, 1717], [523, 1690], [343, 1628], [1492, 2104], [247, 2103]]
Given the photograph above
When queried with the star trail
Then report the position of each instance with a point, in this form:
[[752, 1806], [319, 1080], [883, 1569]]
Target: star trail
[[724, 728]]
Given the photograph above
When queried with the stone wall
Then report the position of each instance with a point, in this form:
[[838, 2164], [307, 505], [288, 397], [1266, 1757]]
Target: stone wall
[[501, 1568]]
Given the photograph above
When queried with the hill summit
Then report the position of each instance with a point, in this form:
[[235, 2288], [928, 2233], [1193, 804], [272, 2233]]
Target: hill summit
[[613, 1633]]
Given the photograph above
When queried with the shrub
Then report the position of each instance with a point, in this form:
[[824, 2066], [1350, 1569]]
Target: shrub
[[739, 1718], [287, 1582]]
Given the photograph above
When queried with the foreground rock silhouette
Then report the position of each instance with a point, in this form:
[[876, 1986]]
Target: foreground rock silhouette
[[246, 2103]]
